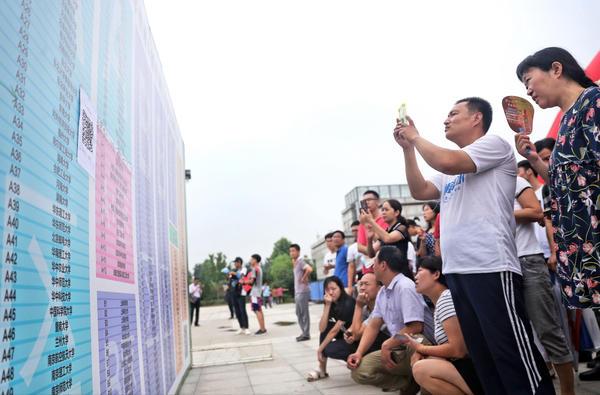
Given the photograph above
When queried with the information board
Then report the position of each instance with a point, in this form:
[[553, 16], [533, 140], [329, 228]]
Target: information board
[[93, 252]]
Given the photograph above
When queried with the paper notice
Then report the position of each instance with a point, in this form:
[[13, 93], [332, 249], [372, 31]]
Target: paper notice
[[86, 139]]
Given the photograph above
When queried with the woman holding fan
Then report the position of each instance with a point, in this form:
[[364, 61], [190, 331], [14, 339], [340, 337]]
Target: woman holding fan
[[553, 78]]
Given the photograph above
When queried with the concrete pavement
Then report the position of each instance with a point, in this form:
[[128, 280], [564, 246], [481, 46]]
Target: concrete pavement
[[273, 363]]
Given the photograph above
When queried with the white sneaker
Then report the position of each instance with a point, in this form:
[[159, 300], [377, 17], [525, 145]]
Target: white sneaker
[[239, 331], [246, 331]]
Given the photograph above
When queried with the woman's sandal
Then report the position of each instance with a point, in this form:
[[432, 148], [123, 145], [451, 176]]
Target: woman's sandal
[[315, 375]]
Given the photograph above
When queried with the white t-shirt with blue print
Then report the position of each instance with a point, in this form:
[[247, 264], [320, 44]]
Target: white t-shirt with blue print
[[477, 225]]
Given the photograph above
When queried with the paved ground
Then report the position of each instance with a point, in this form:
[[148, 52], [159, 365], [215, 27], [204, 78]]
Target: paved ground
[[269, 364]]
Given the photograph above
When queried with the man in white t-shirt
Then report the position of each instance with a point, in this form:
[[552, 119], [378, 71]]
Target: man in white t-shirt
[[542, 233], [330, 255], [476, 188], [354, 256], [411, 256], [537, 289], [195, 292]]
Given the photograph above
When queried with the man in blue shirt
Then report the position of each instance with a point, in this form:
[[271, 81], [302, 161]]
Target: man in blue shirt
[[343, 269]]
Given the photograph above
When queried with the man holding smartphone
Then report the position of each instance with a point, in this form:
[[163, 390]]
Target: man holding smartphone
[[369, 203], [476, 188]]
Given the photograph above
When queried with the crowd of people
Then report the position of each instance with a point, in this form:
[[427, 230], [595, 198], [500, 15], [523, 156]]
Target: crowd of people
[[244, 282], [477, 298], [481, 302]]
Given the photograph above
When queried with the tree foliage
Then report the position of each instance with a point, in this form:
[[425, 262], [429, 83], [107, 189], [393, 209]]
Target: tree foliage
[[210, 275], [281, 272], [277, 269], [281, 247]]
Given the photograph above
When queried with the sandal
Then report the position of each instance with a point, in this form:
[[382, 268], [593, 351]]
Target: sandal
[[315, 375]]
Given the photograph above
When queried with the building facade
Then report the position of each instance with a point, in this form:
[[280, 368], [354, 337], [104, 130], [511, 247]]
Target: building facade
[[410, 207]]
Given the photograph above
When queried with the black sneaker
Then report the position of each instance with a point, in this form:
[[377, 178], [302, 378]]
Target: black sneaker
[[302, 338], [260, 332]]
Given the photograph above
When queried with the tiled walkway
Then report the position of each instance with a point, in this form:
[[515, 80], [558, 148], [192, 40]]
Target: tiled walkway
[[284, 362], [283, 373]]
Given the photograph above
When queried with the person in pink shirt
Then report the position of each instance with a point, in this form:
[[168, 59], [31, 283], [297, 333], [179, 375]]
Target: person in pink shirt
[[371, 200]]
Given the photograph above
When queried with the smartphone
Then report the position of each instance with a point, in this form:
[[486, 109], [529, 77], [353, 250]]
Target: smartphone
[[402, 114], [405, 338], [400, 337], [364, 206], [343, 328]]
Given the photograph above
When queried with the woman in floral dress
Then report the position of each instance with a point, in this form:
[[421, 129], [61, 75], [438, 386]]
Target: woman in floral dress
[[553, 78]]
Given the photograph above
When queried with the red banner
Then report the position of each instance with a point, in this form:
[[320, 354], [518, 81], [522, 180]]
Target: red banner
[[593, 71]]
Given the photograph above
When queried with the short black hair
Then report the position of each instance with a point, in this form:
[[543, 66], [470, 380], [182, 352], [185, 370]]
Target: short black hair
[[433, 264], [256, 257], [477, 104], [527, 166], [355, 223], [295, 246], [545, 143], [238, 259], [329, 235], [411, 222], [544, 58], [396, 260], [374, 193], [340, 232]]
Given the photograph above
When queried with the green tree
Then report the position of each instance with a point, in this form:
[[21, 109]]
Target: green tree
[[209, 273], [281, 274], [281, 246], [266, 267]]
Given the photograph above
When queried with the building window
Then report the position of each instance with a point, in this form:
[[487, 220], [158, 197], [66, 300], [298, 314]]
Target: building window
[[405, 192]]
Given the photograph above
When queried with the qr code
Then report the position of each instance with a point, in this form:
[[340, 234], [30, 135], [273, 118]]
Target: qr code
[[87, 127]]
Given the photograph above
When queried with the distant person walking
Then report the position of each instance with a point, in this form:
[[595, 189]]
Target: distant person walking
[[195, 293], [266, 293], [302, 272]]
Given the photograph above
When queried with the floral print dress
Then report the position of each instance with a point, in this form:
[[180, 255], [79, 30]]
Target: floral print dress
[[575, 201]]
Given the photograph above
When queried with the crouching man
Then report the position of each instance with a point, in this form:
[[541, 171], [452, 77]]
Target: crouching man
[[401, 309]]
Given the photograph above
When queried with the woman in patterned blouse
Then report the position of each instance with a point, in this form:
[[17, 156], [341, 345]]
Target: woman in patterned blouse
[[426, 243], [553, 78]]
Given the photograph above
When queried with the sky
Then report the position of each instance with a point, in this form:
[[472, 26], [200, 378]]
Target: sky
[[285, 106]]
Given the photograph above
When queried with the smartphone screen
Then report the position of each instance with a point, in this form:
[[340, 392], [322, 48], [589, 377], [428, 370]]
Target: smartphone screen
[[363, 206], [400, 337]]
